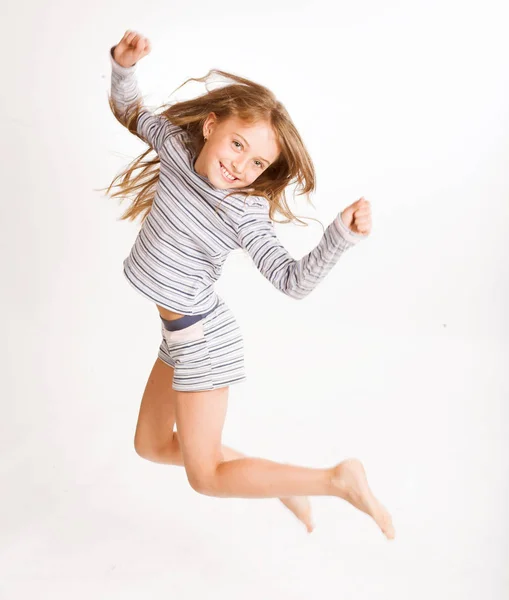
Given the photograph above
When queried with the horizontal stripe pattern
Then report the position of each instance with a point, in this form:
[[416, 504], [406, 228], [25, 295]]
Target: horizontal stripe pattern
[[214, 359], [191, 228]]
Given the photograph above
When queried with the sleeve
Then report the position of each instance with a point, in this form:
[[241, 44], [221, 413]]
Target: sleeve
[[295, 278], [125, 96]]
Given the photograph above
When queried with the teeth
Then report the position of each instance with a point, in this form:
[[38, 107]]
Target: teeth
[[227, 174]]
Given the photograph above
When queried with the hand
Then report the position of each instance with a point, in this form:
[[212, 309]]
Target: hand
[[131, 48], [357, 216]]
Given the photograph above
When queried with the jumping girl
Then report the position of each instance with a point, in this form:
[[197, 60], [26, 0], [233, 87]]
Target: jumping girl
[[223, 161]]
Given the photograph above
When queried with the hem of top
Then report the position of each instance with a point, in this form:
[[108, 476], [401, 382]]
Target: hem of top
[[180, 312]]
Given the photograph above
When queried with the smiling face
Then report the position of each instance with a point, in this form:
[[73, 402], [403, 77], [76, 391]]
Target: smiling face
[[244, 151]]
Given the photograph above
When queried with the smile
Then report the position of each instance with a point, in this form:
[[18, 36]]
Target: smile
[[226, 174]]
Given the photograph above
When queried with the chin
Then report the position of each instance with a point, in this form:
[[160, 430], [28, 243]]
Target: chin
[[221, 184]]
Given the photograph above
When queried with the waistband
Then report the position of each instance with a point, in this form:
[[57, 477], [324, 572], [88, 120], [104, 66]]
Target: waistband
[[186, 320]]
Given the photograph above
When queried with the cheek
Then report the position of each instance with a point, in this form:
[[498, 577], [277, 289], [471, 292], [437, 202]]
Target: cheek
[[214, 154], [223, 148], [253, 175]]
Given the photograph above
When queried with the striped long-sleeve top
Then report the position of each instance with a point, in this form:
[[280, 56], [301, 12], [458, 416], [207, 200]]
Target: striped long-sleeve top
[[191, 228]]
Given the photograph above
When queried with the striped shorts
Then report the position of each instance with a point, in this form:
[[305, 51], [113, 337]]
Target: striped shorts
[[206, 351]]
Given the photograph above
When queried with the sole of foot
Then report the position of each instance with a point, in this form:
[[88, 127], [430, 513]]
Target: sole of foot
[[301, 508], [350, 483]]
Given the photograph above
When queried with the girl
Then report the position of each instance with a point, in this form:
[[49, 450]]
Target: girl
[[223, 162]]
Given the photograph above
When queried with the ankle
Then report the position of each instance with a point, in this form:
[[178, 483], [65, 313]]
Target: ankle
[[331, 481], [337, 482]]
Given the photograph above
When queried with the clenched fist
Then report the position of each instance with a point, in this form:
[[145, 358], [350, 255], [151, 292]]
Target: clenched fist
[[357, 216], [131, 48]]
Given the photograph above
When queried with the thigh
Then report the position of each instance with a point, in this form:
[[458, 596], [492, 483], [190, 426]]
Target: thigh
[[156, 418], [200, 418]]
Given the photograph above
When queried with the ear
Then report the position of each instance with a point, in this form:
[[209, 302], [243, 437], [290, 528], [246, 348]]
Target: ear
[[210, 123]]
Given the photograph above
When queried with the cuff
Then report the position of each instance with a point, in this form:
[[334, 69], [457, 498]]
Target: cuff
[[346, 233], [119, 68]]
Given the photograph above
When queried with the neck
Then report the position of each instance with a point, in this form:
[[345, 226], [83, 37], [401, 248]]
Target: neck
[[197, 166]]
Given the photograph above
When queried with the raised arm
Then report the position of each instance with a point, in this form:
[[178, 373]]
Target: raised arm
[[295, 278], [125, 98]]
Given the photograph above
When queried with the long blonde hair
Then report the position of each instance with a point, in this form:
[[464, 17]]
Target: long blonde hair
[[246, 100]]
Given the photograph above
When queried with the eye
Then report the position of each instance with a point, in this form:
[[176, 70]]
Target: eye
[[260, 164]]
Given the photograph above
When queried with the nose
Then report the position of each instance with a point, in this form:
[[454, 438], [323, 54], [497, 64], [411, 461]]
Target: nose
[[238, 167]]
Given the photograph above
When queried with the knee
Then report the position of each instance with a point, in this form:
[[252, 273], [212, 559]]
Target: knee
[[202, 480], [147, 450], [144, 450], [166, 451]]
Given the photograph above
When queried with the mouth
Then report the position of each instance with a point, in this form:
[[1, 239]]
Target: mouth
[[226, 174]]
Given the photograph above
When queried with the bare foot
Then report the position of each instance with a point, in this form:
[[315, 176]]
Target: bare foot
[[349, 482], [301, 508]]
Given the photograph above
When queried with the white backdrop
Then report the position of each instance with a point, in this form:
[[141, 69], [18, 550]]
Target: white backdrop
[[403, 103]]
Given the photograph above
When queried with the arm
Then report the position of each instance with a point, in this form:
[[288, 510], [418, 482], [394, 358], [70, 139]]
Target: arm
[[295, 278], [127, 103]]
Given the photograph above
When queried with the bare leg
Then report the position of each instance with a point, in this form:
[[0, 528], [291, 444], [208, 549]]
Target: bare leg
[[200, 419], [171, 454], [156, 441]]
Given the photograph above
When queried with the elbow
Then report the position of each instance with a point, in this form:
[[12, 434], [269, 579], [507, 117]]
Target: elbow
[[117, 112], [128, 117], [296, 287], [296, 294]]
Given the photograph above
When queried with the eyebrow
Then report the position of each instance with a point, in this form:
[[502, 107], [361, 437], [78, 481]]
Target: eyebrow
[[247, 144]]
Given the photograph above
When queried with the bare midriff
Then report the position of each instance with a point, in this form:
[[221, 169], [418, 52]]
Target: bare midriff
[[168, 314]]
